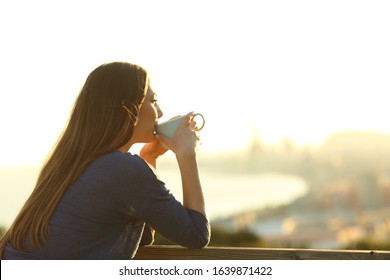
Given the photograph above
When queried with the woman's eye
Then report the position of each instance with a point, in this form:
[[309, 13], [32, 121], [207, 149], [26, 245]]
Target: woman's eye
[[154, 101]]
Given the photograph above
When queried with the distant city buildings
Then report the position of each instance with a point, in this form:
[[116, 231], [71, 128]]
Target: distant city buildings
[[349, 197]]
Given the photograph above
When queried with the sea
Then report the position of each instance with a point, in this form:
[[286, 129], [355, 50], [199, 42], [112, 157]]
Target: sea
[[226, 193]]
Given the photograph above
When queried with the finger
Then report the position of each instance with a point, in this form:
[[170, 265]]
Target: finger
[[189, 116], [187, 120], [192, 125], [198, 141]]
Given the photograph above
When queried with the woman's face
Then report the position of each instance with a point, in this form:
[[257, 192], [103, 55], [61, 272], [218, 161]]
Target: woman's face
[[150, 112]]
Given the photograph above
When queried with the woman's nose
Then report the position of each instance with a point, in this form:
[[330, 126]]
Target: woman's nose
[[159, 112]]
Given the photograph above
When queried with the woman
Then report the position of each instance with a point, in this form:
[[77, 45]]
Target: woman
[[93, 199]]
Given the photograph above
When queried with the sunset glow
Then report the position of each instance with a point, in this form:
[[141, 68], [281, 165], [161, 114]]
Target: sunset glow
[[292, 69]]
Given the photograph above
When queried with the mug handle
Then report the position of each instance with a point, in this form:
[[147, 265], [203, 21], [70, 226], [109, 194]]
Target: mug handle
[[203, 121]]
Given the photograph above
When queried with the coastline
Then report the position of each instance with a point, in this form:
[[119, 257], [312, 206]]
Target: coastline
[[227, 194]]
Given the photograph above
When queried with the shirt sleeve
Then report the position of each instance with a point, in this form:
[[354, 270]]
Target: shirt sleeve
[[146, 197]]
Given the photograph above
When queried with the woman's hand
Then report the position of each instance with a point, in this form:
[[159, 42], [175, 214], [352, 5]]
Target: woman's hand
[[151, 151], [185, 140], [153, 148]]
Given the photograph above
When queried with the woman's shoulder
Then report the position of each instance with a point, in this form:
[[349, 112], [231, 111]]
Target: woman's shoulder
[[119, 167], [118, 158], [120, 161]]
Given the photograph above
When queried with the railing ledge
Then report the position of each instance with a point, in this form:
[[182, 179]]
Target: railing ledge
[[168, 252]]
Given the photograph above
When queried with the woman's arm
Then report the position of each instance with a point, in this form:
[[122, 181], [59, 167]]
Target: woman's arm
[[193, 197], [184, 145], [193, 230], [147, 198]]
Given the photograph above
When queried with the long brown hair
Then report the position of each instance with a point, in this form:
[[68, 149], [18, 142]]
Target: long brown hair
[[102, 121]]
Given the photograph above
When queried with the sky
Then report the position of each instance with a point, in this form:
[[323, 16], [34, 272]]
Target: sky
[[300, 70]]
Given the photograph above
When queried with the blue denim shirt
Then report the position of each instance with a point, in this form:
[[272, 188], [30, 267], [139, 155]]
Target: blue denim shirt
[[104, 213]]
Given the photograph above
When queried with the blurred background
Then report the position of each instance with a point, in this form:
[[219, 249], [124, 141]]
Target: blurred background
[[296, 147]]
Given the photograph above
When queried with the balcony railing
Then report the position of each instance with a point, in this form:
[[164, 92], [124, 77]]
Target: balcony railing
[[168, 252]]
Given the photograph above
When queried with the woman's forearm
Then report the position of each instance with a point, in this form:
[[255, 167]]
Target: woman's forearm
[[193, 197]]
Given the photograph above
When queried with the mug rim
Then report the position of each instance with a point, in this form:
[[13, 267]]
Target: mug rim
[[179, 118]]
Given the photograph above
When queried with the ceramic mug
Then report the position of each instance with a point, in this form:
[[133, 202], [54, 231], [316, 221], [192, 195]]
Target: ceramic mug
[[168, 128]]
